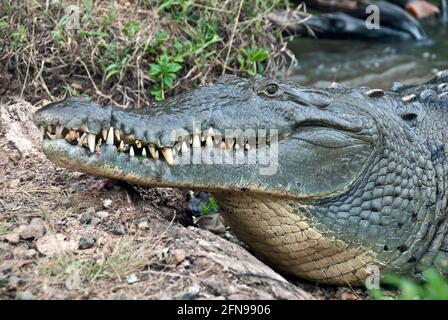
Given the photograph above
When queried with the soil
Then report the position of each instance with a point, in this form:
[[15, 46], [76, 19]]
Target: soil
[[67, 235]]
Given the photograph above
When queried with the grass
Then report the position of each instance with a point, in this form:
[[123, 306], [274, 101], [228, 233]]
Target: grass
[[210, 208], [4, 228], [125, 258], [135, 54], [434, 287]]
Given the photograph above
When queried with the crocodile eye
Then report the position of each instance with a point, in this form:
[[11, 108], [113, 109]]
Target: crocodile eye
[[271, 89]]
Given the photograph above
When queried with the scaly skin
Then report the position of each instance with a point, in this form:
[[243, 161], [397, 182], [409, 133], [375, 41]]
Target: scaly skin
[[360, 180]]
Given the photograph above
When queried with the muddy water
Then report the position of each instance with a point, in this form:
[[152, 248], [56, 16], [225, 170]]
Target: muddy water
[[356, 63]]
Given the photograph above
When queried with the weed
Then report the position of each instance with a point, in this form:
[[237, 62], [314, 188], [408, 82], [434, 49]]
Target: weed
[[434, 287], [151, 50], [210, 208], [4, 228]]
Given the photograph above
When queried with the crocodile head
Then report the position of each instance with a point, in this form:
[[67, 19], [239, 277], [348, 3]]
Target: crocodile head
[[308, 178]]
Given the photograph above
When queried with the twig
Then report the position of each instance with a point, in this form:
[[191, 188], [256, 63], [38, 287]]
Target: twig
[[232, 36]]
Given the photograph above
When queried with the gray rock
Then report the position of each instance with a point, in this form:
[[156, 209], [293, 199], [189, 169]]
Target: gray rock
[[102, 214], [85, 218], [34, 230], [86, 243], [119, 230], [25, 295]]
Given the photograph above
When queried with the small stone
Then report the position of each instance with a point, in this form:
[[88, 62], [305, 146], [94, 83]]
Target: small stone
[[25, 295], [86, 243], [66, 202], [90, 210], [14, 283], [54, 244], [107, 203], [96, 221], [348, 295], [102, 214], [34, 230], [132, 279], [31, 254], [143, 225], [179, 255], [117, 188], [118, 230], [12, 238], [85, 218]]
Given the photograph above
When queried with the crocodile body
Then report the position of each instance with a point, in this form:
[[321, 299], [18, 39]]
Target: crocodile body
[[324, 184]]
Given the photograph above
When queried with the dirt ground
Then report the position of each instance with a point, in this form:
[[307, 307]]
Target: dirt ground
[[67, 235]]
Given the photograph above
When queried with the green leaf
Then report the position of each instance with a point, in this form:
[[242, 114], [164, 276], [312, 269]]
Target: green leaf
[[154, 70]]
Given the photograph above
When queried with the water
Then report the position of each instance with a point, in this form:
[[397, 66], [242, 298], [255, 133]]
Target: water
[[377, 65]]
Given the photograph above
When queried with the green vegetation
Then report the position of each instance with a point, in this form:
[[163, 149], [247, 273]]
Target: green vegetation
[[4, 228], [435, 287], [210, 208], [133, 54]]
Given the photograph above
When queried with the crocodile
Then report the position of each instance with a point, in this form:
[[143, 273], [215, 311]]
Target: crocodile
[[331, 185]]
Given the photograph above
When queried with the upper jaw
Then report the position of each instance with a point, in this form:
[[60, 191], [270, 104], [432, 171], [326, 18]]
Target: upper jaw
[[153, 135]]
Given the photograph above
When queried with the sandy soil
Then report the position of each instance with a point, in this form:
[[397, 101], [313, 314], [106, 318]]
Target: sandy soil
[[67, 235]]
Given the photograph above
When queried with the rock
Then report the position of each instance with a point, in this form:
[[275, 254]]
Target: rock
[[12, 238], [85, 218], [31, 254], [191, 292], [212, 222], [53, 244], [96, 221], [66, 202], [107, 203], [86, 243], [132, 279], [25, 295], [119, 230], [15, 283], [179, 255], [143, 225], [349, 295], [102, 214], [34, 230], [90, 210]]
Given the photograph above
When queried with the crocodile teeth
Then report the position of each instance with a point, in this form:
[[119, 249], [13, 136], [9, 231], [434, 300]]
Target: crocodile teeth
[[121, 146], [41, 132], [222, 145], [247, 146], [209, 142], [184, 147], [59, 132], [168, 154], [138, 144], [71, 135], [110, 137], [154, 153], [91, 142], [104, 134], [196, 141], [84, 128], [82, 139], [131, 152], [144, 152], [230, 143], [117, 134], [237, 146], [177, 146]]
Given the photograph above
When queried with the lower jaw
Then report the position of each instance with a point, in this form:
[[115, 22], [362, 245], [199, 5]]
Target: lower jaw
[[277, 231]]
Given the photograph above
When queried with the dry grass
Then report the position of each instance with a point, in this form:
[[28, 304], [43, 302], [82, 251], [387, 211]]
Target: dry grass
[[117, 51]]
